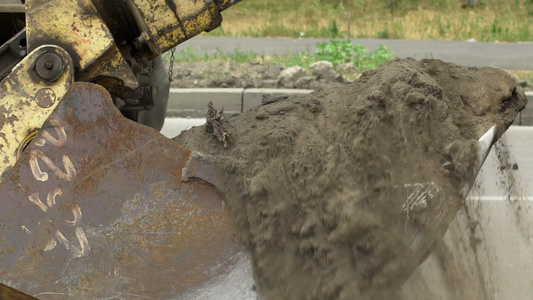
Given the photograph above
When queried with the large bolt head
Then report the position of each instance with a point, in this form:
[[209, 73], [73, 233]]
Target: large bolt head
[[49, 66]]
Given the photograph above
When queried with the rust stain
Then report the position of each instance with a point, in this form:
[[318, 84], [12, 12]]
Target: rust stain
[[125, 213]]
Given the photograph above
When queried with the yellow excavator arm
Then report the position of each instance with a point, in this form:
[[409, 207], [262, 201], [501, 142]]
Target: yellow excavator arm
[[88, 41], [97, 33]]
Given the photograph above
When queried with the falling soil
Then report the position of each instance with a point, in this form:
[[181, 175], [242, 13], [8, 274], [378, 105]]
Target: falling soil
[[319, 184], [470, 262]]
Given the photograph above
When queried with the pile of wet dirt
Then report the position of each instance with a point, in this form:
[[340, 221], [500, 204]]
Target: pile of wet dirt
[[319, 183]]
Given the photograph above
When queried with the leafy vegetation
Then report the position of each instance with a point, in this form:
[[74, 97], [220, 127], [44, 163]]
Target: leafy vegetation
[[337, 52], [489, 20]]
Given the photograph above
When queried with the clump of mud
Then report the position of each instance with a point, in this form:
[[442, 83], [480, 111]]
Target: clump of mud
[[319, 184]]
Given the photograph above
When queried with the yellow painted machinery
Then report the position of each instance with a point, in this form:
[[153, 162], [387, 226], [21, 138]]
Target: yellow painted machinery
[[94, 205]]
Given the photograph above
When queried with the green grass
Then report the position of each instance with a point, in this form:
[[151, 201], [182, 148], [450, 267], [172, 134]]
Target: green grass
[[523, 75], [337, 52], [193, 55], [490, 20]]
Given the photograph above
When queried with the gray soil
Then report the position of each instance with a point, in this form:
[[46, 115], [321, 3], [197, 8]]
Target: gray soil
[[316, 182], [228, 74]]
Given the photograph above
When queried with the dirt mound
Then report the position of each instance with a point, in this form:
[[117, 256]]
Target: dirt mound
[[319, 184]]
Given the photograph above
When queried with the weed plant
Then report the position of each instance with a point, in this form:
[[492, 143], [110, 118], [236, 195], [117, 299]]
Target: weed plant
[[337, 52]]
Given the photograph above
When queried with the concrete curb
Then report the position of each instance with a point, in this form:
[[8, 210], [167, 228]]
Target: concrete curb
[[193, 102]]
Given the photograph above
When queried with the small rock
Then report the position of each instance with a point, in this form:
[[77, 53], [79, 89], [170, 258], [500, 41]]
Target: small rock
[[213, 83], [257, 82], [267, 99], [303, 82], [261, 116], [317, 84], [323, 70], [522, 83], [180, 73], [231, 82], [347, 68], [290, 75], [270, 71], [247, 83]]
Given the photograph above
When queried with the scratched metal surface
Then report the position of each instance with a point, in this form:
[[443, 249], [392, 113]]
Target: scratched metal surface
[[96, 208]]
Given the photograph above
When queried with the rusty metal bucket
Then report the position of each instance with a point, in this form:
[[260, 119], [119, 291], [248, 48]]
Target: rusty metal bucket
[[96, 207], [100, 207]]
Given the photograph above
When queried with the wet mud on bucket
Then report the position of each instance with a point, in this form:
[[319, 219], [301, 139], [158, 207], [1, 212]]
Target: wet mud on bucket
[[313, 180]]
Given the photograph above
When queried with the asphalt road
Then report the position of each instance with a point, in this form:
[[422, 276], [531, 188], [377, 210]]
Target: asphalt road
[[517, 56]]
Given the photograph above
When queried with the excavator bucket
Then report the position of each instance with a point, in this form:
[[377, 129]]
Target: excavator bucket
[[7, 292], [98, 206]]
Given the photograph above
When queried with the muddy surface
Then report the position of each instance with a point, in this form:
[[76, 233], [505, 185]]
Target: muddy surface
[[319, 184]]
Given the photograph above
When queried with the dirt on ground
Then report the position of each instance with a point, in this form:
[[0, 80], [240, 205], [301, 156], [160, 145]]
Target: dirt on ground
[[319, 184], [229, 74]]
